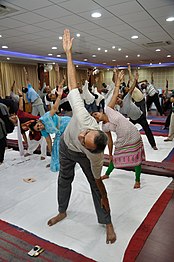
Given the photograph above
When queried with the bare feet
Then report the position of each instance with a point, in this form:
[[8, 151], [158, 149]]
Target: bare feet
[[56, 219], [137, 185], [110, 234], [27, 154], [167, 139], [104, 177], [155, 148]]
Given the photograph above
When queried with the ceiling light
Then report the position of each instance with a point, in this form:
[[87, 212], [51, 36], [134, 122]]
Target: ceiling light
[[134, 37], [170, 19], [168, 55], [8, 58], [78, 35], [150, 63], [127, 56], [93, 55], [159, 63], [106, 51], [138, 55], [113, 47], [77, 66], [98, 48], [113, 60], [58, 55], [0, 35], [158, 50], [119, 49], [54, 47], [4, 46], [96, 15], [60, 37], [50, 54], [85, 59], [104, 63]]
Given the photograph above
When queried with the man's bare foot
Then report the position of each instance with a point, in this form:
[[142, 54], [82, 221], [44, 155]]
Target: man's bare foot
[[56, 219], [104, 177], [110, 234], [27, 154], [137, 185]]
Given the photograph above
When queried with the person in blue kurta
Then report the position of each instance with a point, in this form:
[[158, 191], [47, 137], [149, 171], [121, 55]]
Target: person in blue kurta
[[51, 123]]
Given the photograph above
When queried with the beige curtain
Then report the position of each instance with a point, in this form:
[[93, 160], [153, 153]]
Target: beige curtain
[[10, 72], [80, 74]]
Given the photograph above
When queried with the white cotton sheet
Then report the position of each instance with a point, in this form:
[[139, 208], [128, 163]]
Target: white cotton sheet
[[30, 205]]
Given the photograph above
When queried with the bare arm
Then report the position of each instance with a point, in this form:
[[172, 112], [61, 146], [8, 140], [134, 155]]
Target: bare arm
[[21, 102], [131, 89], [104, 198], [67, 45], [12, 87], [57, 74], [130, 73], [26, 77], [55, 107], [49, 143], [110, 144], [116, 89]]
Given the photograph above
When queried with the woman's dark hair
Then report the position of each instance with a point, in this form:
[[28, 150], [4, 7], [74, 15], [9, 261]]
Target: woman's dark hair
[[100, 141], [32, 125]]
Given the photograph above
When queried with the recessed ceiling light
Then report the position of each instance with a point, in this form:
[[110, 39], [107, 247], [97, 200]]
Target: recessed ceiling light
[[127, 56], [106, 51], [85, 59], [150, 63], [113, 60], [4, 46], [119, 49], [168, 55], [58, 55], [96, 15], [138, 55], [104, 63], [134, 37], [98, 48], [159, 63], [78, 35], [50, 54], [93, 55], [113, 47], [54, 47], [77, 66], [60, 37], [170, 19], [158, 50], [0, 35], [8, 58]]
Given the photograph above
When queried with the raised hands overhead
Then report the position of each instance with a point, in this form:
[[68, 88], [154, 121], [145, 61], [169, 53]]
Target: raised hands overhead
[[120, 76], [67, 41], [56, 67]]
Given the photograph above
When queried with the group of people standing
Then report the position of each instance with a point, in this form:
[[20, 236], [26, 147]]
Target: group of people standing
[[79, 137]]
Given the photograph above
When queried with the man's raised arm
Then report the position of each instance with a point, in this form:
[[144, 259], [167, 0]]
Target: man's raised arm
[[67, 46]]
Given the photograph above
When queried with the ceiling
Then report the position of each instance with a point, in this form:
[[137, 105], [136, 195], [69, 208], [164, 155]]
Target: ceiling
[[34, 27]]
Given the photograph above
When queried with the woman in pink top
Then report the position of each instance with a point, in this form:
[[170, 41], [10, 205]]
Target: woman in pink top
[[129, 150]]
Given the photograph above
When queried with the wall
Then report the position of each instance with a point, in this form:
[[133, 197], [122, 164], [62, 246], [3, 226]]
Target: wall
[[160, 75]]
